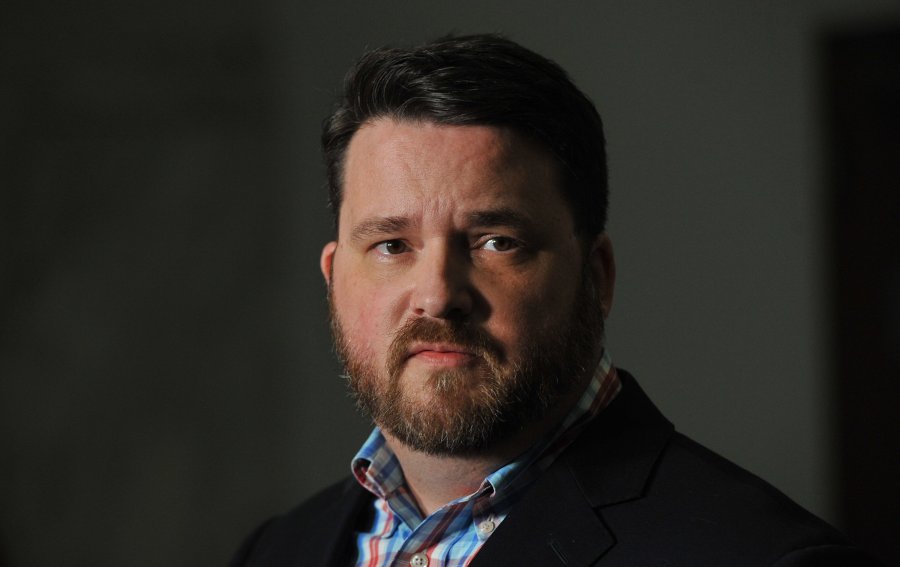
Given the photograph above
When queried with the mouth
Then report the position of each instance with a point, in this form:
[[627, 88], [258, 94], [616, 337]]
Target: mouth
[[441, 354]]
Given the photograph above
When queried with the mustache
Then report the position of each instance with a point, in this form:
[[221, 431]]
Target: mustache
[[469, 338]]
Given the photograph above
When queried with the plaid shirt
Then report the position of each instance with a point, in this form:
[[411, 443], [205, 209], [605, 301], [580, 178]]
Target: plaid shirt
[[452, 535]]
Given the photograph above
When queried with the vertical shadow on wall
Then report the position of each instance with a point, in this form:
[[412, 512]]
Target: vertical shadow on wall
[[862, 74]]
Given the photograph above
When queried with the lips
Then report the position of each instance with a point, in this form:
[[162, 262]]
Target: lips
[[438, 347], [441, 354]]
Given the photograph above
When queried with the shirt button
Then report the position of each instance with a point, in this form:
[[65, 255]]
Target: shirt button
[[486, 527], [419, 560]]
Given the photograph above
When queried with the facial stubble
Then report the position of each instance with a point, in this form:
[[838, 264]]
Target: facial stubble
[[474, 407]]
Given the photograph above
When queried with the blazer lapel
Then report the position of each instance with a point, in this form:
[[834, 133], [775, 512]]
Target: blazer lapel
[[615, 456], [552, 525], [559, 520]]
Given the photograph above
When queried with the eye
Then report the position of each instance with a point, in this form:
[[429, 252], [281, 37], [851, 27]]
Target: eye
[[391, 247], [500, 244]]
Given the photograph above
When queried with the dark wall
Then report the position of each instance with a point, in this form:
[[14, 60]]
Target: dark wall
[[159, 298], [863, 77]]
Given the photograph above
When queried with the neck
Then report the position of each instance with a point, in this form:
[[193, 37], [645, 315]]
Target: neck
[[436, 480]]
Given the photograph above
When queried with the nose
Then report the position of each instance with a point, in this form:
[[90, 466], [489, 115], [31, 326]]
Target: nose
[[442, 284]]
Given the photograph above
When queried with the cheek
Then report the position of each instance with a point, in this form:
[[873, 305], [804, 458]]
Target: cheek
[[520, 309], [365, 314]]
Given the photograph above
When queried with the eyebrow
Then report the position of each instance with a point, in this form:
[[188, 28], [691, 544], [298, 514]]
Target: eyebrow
[[377, 226], [502, 216], [380, 226]]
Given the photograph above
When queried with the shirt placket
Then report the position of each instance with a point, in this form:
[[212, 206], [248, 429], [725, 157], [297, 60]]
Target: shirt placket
[[427, 545]]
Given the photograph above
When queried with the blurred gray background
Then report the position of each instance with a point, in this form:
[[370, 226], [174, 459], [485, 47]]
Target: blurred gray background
[[166, 375]]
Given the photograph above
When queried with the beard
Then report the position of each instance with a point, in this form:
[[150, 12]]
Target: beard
[[472, 408]]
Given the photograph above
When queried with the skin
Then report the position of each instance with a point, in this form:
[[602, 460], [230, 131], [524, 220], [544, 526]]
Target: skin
[[464, 223]]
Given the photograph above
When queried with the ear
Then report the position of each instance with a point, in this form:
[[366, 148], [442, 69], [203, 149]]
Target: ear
[[326, 262], [603, 269]]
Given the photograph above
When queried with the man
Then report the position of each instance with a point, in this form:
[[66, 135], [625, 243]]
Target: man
[[468, 284]]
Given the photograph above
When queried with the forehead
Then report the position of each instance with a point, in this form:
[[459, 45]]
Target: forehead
[[420, 169], [389, 138]]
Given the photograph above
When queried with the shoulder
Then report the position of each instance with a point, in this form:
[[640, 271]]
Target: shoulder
[[744, 512], [681, 500], [711, 490], [306, 534]]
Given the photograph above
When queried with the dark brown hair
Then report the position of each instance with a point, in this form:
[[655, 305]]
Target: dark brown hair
[[477, 80]]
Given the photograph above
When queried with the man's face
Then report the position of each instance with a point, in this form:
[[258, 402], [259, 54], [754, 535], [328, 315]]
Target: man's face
[[464, 304]]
